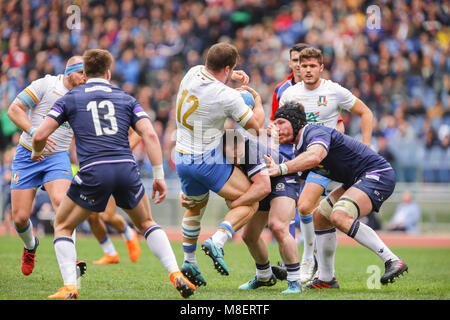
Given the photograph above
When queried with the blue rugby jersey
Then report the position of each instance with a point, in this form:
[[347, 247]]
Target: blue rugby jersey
[[100, 115], [347, 158], [254, 161]]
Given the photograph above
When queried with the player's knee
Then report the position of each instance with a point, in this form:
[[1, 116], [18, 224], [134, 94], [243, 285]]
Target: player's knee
[[305, 207], [20, 219], [278, 229]]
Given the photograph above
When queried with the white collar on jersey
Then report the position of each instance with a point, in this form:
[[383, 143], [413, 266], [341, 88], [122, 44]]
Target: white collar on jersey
[[300, 142], [97, 80]]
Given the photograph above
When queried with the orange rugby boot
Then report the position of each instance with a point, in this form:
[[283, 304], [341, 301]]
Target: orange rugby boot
[[183, 285], [107, 259], [69, 292], [134, 250]]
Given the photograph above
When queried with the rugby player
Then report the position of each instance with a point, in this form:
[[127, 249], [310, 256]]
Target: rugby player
[[367, 181]]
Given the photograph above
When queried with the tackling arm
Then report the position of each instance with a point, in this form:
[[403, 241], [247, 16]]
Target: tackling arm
[[40, 137], [258, 190], [308, 159], [133, 138], [145, 129]]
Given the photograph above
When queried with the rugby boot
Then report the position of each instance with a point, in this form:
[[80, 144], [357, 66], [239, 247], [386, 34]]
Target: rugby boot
[[134, 250], [293, 287], [183, 285], [192, 272], [320, 284], [29, 258], [307, 269], [279, 272], [107, 259], [81, 268], [393, 269], [255, 283], [69, 292], [216, 254]]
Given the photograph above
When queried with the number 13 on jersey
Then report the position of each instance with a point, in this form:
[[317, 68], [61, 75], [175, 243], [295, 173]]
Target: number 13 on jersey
[[192, 102], [110, 116]]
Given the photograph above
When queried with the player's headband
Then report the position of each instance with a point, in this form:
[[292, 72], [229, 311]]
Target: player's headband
[[73, 68]]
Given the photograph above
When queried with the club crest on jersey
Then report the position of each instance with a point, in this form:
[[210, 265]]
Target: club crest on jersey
[[322, 101]]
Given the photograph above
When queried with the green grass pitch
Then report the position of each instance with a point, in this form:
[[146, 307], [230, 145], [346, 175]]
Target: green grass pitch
[[356, 270]]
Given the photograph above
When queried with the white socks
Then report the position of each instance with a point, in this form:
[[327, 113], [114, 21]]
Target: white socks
[[108, 246], [224, 233], [66, 255], [367, 237], [309, 237], [160, 246], [127, 233], [326, 241], [26, 234]]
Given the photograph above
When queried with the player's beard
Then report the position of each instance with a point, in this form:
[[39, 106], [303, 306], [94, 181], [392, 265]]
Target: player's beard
[[73, 82], [228, 79], [312, 81]]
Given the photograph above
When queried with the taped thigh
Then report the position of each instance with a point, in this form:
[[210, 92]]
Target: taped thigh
[[349, 206], [326, 207], [195, 200]]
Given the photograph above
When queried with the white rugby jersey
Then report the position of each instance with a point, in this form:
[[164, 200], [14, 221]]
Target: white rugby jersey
[[203, 105], [323, 104], [39, 97]]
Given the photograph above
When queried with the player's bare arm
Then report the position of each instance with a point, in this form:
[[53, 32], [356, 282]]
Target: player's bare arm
[[362, 110], [256, 122], [17, 112], [340, 126], [311, 158], [259, 189], [145, 129], [133, 138], [40, 137]]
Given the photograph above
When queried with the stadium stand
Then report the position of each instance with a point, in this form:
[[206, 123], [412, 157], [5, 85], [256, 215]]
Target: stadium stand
[[400, 70]]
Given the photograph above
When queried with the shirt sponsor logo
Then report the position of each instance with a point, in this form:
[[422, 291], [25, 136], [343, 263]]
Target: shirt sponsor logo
[[312, 116]]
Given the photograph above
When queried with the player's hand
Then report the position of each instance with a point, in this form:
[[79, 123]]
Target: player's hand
[[185, 202], [253, 92], [37, 158], [159, 185], [272, 168], [240, 76], [273, 131], [50, 145]]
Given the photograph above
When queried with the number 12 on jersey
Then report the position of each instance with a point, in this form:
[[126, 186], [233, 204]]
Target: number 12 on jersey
[[191, 99], [110, 116]]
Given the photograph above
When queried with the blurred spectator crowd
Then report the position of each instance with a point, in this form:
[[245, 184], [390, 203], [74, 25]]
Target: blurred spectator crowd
[[399, 68]]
